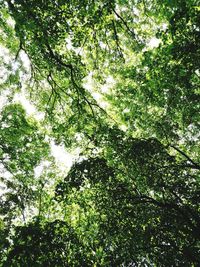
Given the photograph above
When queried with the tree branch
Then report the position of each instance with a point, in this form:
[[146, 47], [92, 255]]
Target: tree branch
[[125, 23], [186, 156]]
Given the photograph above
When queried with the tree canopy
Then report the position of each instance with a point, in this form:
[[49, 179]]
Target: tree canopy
[[117, 81]]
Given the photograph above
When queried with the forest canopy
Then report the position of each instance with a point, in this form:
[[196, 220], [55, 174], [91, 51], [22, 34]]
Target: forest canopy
[[116, 84]]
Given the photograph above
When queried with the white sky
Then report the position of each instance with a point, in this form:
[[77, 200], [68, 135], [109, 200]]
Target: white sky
[[64, 159], [153, 43]]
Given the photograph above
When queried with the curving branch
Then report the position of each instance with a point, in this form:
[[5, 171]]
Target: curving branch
[[194, 164], [130, 31]]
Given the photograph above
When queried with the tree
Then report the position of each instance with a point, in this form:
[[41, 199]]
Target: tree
[[120, 81]]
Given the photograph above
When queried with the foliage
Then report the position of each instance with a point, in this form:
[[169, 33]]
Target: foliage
[[119, 82]]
